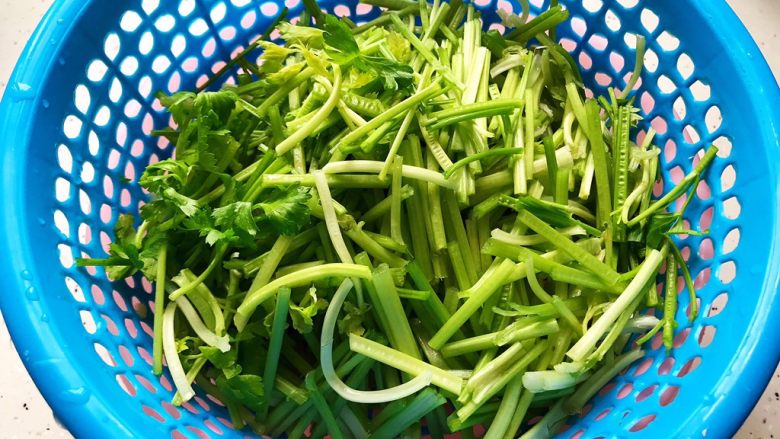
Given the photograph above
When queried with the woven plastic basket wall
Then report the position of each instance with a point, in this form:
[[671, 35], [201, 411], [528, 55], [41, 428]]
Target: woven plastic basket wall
[[76, 121]]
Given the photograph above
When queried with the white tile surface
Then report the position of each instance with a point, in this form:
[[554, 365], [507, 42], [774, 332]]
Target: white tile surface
[[24, 413]]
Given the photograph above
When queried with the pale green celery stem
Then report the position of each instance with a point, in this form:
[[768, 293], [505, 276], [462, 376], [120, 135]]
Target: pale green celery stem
[[291, 391], [475, 69], [215, 261], [193, 319], [391, 155], [396, 232], [457, 69], [391, 113], [547, 380], [271, 261], [140, 234], [406, 363], [511, 334], [359, 237], [474, 248], [380, 209], [375, 167], [386, 241], [279, 94], [637, 193], [400, 333], [650, 266], [483, 233], [405, 124], [453, 218], [232, 290], [301, 278], [331, 221], [577, 107], [195, 369], [350, 181], [434, 146], [383, 19], [508, 63], [599, 379], [586, 183], [275, 345], [491, 388], [689, 179], [530, 128], [253, 265], [322, 114], [423, 50], [299, 159], [437, 19], [670, 302], [519, 176], [172, 356], [418, 208], [567, 246], [506, 410], [549, 424], [520, 412], [458, 266], [530, 331], [368, 144], [531, 240], [287, 269], [480, 293], [598, 147], [406, 293], [351, 118], [502, 179], [159, 304], [647, 197], [639, 64], [203, 299]]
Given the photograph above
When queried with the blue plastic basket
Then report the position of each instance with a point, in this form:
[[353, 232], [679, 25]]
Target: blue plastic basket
[[76, 119]]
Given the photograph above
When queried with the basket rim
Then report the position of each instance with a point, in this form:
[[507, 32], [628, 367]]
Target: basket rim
[[54, 376]]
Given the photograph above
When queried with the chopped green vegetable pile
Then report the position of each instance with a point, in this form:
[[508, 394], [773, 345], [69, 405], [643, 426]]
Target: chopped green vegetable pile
[[408, 221]]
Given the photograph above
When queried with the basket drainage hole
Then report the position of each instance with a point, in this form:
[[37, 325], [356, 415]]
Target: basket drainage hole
[[706, 335], [642, 423], [668, 395]]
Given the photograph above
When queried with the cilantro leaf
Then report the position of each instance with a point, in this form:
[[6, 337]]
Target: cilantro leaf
[[187, 205], [352, 322], [244, 389], [226, 361], [201, 120], [180, 105], [288, 210], [395, 76], [340, 45], [124, 258], [218, 358], [167, 173], [238, 217], [150, 251], [302, 314]]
